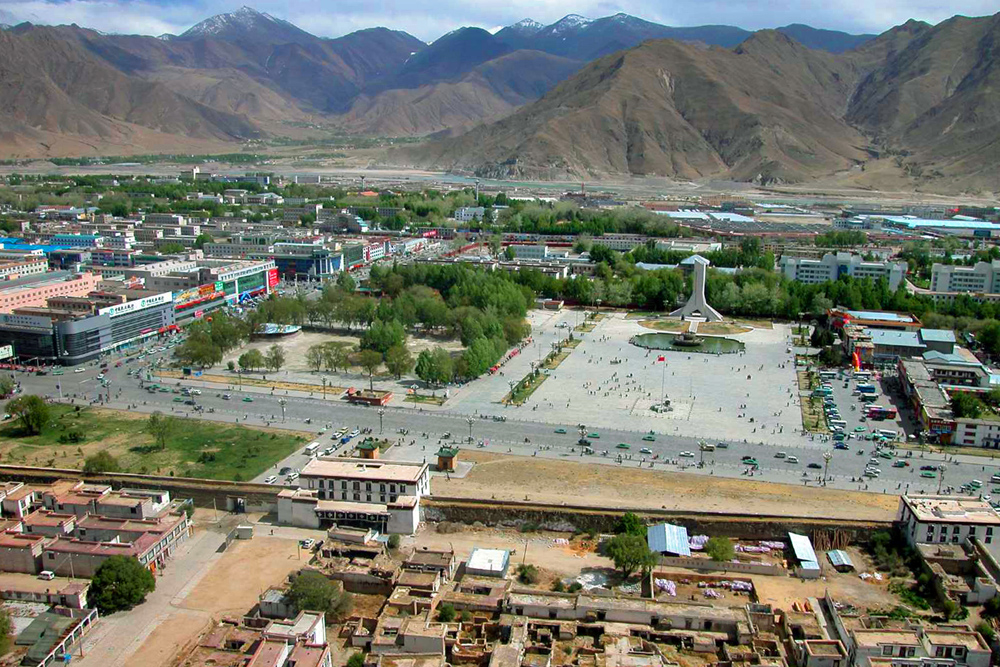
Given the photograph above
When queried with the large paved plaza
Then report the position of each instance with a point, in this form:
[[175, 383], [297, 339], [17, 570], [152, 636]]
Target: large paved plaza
[[608, 382]]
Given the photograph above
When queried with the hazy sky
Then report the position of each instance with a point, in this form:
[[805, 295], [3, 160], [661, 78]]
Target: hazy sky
[[429, 19]]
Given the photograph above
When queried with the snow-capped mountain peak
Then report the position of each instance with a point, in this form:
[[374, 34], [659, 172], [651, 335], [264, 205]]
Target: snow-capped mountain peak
[[569, 22], [526, 27], [243, 22]]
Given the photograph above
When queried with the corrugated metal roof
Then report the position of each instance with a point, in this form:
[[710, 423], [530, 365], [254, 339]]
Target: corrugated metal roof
[[839, 558], [668, 538], [803, 549]]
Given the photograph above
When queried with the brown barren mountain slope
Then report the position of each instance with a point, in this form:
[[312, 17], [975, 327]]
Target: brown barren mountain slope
[[768, 110], [490, 91], [918, 104], [53, 92]]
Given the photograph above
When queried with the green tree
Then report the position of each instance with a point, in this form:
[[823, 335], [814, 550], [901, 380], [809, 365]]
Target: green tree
[[446, 613], [398, 360], [393, 542], [202, 239], [101, 462], [251, 360], [631, 524], [356, 660], [6, 632], [369, 360], [161, 427], [964, 404], [172, 248], [345, 282], [719, 548], [31, 411], [120, 583], [6, 386], [315, 356], [630, 553], [336, 355], [381, 336], [275, 357], [312, 591]]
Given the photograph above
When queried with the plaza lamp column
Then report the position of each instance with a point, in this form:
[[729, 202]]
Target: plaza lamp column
[[381, 414], [471, 420], [826, 465]]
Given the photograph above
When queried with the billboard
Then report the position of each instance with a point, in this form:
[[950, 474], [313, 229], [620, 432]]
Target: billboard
[[6, 351], [272, 278]]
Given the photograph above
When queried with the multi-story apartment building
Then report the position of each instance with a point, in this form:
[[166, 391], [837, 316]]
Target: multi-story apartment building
[[981, 278], [833, 266]]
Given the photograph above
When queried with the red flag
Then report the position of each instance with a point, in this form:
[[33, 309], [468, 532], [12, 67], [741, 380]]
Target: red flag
[[661, 358]]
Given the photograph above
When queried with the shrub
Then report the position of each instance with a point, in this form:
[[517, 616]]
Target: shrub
[[576, 586], [393, 542], [558, 586], [720, 548], [527, 574], [446, 613]]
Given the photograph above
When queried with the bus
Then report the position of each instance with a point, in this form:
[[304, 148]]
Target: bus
[[887, 433], [878, 412], [311, 448], [822, 392], [865, 388], [862, 376], [868, 398], [838, 422], [827, 375]]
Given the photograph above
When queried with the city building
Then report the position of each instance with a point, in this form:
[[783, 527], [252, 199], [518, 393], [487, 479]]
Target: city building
[[883, 347], [981, 278], [357, 492], [34, 290], [469, 213], [89, 328], [833, 266], [873, 319]]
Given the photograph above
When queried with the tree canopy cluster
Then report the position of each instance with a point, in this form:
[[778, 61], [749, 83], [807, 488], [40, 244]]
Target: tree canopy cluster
[[209, 339]]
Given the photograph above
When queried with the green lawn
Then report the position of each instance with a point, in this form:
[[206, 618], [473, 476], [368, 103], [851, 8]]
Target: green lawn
[[194, 448], [525, 388]]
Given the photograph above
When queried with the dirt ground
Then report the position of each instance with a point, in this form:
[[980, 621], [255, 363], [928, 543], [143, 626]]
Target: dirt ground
[[230, 587], [541, 548], [170, 639], [248, 568], [557, 482], [845, 587]]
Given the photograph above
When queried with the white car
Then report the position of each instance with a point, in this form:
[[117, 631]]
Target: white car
[[792, 459], [292, 477], [100, 376], [79, 370], [355, 433], [271, 479], [689, 455]]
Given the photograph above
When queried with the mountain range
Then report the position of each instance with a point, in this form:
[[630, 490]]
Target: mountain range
[[580, 97], [915, 107]]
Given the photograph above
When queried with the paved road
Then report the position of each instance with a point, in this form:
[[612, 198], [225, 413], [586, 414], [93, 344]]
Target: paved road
[[510, 436]]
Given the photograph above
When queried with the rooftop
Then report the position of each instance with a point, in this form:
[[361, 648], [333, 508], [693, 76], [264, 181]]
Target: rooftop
[[492, 560], [874, 638], [364, 469], [970, 640], [879, 315], [947, 509]]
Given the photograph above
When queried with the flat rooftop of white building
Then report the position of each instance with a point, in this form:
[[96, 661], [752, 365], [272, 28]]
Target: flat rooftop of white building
[[945, 509], [365, 469], [488, 560]]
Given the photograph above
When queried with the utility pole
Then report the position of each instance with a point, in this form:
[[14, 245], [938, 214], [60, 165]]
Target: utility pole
[[941, 469], [471, 421], [381, 413], [826, 466]]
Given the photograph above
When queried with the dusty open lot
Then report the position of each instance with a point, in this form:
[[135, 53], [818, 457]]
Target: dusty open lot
[[552, 481], [230, 587]]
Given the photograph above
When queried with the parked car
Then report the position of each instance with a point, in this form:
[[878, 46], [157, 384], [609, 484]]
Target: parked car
[[271, 479]]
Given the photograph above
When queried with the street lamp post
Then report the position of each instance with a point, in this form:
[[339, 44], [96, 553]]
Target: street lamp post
[[471, 420], [511, 384], [381, 414], [941, 469], [701, 453], [282, 402], [826, 466]]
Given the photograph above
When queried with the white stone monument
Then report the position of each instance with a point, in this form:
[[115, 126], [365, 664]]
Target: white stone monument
[[696, 305]]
